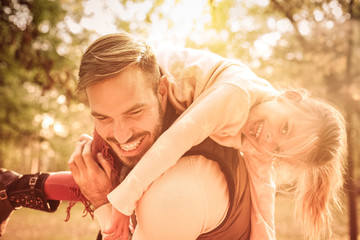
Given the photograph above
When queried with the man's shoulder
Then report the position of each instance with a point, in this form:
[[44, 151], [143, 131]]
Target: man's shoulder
[[188, 178], [194, 165], [191, 197]]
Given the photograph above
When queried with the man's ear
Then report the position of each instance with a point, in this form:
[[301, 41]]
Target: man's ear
[[162, 90], [293, 95]]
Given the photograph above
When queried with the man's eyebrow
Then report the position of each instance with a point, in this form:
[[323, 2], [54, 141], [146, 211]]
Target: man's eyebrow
[[95, 114], [131, 109]]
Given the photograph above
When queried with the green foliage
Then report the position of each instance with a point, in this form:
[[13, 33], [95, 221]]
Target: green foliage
[[34, 73], [219, 12]]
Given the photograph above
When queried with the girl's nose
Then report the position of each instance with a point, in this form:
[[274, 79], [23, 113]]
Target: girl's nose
[[268, 137]]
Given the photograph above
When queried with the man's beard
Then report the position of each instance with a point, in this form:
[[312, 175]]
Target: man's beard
[[133, 160]]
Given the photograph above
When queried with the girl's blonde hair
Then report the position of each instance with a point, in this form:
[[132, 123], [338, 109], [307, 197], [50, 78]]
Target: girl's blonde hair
[[317, 161]]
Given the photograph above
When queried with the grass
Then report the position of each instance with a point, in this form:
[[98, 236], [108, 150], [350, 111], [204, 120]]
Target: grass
[[35, 225]]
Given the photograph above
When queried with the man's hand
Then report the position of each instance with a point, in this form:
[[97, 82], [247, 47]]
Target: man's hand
[[119, 228], [94, 181]]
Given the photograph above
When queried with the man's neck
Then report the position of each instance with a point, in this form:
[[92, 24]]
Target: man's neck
[[170, 116]]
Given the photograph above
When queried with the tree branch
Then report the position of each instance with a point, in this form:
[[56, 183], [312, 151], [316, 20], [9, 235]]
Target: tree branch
[[288, 15]]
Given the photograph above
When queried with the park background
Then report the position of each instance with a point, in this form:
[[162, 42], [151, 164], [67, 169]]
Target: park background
[[314, 44]]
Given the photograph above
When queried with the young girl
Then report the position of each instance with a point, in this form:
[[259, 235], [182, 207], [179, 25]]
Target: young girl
[[223, 99]]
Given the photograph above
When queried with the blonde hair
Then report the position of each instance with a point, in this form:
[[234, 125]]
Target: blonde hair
[[318, 164], [111, 54]]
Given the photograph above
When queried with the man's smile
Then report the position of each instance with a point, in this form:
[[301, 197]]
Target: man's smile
[[132, 146]]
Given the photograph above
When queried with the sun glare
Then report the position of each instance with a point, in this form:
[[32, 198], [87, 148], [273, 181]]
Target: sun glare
[[175, 21], [178, 19], [184, 16]]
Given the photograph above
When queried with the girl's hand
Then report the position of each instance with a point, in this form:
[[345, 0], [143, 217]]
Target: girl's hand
[[119, 228]]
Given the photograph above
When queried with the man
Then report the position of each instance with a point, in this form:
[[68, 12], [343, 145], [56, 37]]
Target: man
[[133, 103], [128, 98]]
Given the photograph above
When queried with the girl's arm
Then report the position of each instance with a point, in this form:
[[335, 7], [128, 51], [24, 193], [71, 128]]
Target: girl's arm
[[262, 190]]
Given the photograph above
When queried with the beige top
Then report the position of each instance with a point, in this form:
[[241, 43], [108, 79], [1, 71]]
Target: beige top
[[215, 95]]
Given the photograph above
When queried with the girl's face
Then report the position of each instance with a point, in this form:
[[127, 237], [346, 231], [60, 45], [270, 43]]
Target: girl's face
[[270, 125]]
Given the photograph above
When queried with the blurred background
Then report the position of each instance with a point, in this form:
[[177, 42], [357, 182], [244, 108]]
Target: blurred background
[[314, 44]]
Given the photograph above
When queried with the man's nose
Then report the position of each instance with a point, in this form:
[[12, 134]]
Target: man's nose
[[122, 131]]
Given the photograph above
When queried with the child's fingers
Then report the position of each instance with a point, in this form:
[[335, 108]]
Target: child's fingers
[[119, 228], [119, 233], [110, 230], [131, 228]]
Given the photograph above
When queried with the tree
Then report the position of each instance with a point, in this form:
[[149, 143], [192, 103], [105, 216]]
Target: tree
[[37, 77]]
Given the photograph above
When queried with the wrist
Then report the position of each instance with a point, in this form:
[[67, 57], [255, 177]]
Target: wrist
[[100, 203]]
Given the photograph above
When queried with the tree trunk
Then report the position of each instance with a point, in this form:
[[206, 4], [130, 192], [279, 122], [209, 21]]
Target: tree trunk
[[350, 185]]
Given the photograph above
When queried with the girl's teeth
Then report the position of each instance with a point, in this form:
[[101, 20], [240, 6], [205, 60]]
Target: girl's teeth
[[258, 132]]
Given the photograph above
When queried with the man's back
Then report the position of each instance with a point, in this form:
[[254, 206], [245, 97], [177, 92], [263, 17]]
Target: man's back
[[188, 200]]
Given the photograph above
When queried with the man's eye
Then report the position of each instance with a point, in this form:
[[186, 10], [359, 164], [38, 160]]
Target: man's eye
[[285, 129], [136, 112], [101, 118]]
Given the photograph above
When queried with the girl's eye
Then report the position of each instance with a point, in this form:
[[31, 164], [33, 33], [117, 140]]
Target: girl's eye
[[285, 129]]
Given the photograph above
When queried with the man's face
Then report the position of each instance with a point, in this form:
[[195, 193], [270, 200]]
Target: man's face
[[128, 113]]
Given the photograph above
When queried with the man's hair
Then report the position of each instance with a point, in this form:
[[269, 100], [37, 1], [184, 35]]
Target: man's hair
[[111, 54]]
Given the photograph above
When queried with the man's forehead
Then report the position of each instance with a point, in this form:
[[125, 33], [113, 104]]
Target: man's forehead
[[112, 97], [130, 77]]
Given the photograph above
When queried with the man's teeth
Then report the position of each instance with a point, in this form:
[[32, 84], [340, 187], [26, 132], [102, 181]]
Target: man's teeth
[[130, 146], [258, 132]]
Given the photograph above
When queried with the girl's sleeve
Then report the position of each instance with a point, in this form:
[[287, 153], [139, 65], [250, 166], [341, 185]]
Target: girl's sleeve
[[214, 96], [262, 190], [103, 216]]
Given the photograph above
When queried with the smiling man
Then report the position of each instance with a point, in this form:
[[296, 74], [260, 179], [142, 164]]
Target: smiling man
[[129, 100], [186, 185]]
